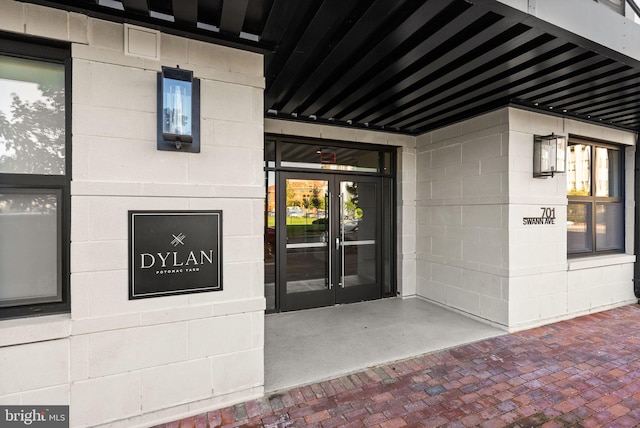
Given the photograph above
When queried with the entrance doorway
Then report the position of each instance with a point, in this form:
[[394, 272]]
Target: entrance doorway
[[329, 232], [330, 245]]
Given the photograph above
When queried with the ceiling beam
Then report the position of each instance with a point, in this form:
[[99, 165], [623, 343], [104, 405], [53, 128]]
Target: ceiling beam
[[185, 11], [232, 17], [139, 6]]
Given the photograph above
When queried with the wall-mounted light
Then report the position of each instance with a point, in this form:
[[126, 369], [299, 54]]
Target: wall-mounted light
[[549, 154], [178, 110]]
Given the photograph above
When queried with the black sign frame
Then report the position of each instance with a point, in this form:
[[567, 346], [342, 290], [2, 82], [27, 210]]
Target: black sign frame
[[174, 252]]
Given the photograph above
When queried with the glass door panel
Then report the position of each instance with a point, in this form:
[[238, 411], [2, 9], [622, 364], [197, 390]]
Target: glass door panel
[[329, 239], [306, 268], [359, 232]]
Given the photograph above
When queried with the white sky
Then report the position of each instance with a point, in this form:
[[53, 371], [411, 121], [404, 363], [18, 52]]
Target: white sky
[[27, 91]]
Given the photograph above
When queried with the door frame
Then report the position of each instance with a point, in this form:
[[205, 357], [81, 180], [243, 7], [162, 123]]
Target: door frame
[[275, 167], [345, 295], [336, 292], [304, 300]]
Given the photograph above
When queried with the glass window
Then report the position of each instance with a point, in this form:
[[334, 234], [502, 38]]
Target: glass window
[[32, 117], [579, 228], [609, 226], [607, 172], [29, 247], [312, 156], [579, 170], [595, 214], [34, 186], [269, 154]]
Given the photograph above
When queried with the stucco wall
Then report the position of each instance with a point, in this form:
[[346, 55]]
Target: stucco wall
[[149, 360]]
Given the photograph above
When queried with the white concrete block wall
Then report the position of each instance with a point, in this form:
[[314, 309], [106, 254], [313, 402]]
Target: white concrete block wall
[[544, 285], [474, 186], [156, 359], [462, 234]]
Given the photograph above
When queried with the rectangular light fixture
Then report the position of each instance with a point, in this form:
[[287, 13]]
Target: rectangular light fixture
[[549, 155], [178, 110]]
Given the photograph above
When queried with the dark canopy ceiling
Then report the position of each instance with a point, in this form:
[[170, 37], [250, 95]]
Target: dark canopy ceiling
[[401, 65]]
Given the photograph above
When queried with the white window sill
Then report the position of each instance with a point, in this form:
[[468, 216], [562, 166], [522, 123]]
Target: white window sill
[[34, 329], [599, 261]]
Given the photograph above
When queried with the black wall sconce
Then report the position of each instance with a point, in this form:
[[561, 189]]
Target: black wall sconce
[[178, 111], [549, 154]]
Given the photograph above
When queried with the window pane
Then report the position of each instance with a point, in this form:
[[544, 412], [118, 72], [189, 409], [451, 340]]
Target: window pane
[[324, 157], [32, 118], [29, 247], [608, 167], [270, 154], [579, 229], [579, 170], [609, 227], [387, 163]]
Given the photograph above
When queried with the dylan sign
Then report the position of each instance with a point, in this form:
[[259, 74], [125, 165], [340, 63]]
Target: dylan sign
[[174, 252]]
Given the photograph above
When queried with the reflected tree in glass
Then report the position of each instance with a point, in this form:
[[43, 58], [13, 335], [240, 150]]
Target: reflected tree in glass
[[33, 134]]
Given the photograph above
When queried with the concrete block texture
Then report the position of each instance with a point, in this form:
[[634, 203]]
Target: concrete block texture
[[105, 399], [34, 366], [240, 371], [46, 22], [220, 335], [121, 351], [175, 384], [112, 358], [12, 17]]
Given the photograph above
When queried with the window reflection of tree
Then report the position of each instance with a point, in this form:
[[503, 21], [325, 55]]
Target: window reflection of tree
[[34, 136], [32, 204]]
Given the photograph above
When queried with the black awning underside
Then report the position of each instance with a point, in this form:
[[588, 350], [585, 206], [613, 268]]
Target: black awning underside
[[401, 65]]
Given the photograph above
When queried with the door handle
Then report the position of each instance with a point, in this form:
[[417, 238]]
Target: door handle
[[340, 241], [328, 234]]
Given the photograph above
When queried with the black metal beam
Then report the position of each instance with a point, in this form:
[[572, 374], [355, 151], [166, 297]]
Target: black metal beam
[[279, 20], [319, 30], [447, 70], [497, 91], [376, 56], [90, 8], [232, 17], [561, 92], [136, 6], [373, 24], [427, 61], [594, 102], [513, 57], [185, 11]]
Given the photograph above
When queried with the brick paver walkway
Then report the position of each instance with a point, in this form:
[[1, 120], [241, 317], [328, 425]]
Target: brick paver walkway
[[583, 372]]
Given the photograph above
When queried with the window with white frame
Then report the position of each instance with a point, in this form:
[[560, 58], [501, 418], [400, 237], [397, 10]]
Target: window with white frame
[[34, 178], [595, 192]]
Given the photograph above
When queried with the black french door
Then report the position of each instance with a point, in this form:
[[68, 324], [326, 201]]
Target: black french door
[[329, 239]]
